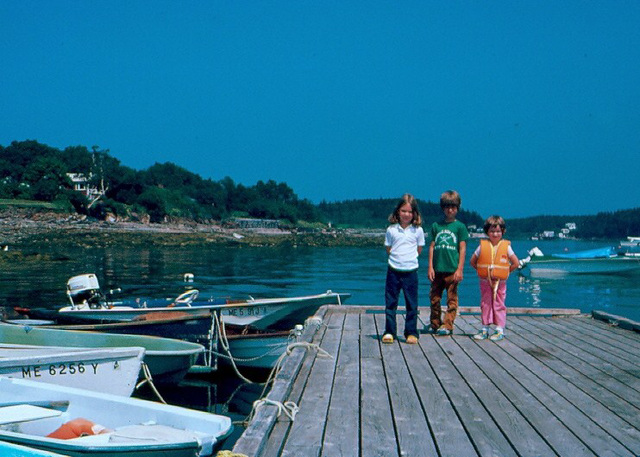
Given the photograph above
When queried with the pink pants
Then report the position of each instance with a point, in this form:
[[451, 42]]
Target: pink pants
[[493, 311]]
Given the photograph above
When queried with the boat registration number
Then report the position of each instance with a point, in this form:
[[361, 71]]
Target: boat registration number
[[62, 369], [252, 311]]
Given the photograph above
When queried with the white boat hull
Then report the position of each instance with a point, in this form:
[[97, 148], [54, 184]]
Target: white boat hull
[[109, 370], [168, 360], [604, 266]]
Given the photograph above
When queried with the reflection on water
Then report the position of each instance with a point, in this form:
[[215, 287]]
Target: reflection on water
[[531, 288]]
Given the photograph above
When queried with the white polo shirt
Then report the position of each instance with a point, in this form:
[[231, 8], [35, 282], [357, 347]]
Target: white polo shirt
[[404, 246]]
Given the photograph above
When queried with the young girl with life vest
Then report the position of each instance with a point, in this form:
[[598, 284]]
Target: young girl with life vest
[[493, 261]]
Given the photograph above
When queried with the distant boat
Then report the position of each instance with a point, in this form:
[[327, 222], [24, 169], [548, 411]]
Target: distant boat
[[168, 359], [602, 261], [108, 370], [29, 411], [631, 246]]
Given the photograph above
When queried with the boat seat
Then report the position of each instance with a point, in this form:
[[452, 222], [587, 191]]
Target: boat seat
[[23, 413]]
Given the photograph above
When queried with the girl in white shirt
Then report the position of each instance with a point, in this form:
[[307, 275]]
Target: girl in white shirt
[[404, 241]]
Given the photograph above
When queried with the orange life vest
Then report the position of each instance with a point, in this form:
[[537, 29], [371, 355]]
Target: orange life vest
[[495, 259], [76, 428]]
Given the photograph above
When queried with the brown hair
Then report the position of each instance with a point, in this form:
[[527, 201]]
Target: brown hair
[[394, 217], [450, 197], [494, 221]]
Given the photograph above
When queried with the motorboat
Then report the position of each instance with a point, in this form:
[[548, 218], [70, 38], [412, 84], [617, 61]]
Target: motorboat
[[89, 304], [55, 419], [602, 261], [630, 247]]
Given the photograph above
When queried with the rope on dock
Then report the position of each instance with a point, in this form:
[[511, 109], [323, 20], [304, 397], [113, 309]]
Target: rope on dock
[[289, 408], [230, 454]]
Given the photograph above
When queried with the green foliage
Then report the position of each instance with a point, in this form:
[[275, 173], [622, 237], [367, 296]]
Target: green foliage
[[372, 213], [35, 172]]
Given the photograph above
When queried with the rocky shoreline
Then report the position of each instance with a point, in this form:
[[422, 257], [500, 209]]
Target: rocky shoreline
[[22, 228]]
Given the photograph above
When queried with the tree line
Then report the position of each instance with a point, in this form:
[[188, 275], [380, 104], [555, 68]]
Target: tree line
[[33, 171]]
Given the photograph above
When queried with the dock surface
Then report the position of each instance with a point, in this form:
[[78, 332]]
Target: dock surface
[[555, 386]]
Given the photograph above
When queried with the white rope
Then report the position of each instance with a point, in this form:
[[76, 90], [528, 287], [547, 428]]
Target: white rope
[[224, 343], [149, 379], [289, 408]]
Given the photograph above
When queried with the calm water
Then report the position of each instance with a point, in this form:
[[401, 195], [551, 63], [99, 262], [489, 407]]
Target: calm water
[[271, 272]]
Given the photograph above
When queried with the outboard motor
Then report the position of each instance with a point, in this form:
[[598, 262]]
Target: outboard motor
[[84, 290]]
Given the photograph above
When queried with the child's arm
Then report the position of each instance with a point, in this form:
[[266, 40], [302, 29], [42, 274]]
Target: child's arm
[[514, 262], [462, 252], [431, 274], [474, 261]]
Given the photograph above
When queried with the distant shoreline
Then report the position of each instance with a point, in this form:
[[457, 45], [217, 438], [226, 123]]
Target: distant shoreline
[[23, 229]]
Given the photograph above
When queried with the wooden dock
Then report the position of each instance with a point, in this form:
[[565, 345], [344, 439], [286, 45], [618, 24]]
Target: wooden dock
[[558, 385]]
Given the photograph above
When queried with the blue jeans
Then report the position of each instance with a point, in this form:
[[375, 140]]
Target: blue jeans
[[407, 281]]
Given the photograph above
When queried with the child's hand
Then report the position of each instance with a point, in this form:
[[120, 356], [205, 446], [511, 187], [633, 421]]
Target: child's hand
[[457, 276], [431, 274]]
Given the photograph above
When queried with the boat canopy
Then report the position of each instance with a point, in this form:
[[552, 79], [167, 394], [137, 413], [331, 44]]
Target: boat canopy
[[598, 253]]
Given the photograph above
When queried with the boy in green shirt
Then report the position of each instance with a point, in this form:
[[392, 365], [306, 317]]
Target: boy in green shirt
[[447, 252]]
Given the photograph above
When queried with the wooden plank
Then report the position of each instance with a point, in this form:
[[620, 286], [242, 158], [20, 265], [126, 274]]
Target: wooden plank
[[507, 378], [623, 343], [483, 431], [495, 390], [629, 340], [612, 412], [281, 428], [544, 384], [621, 322], [376, 423], [588, 350], [411, 425], [255, 436], [447, 433], [602, 338], [342, 432], [305, 437]]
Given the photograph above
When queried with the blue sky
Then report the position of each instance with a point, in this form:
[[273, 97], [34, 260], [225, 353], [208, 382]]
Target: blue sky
[[526, 108]]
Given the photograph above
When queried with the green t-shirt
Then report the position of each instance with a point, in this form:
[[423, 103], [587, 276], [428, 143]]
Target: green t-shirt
[[446, 251]]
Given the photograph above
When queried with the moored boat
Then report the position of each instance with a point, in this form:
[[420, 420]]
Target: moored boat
[[14, 450], [89, 304], [631, 246], [34, 414], [168, 359], [110, 370], [602, 261]]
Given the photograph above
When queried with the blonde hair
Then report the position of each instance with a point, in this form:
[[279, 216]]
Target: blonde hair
[[394, 217], [494, 221], [450, 197]]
